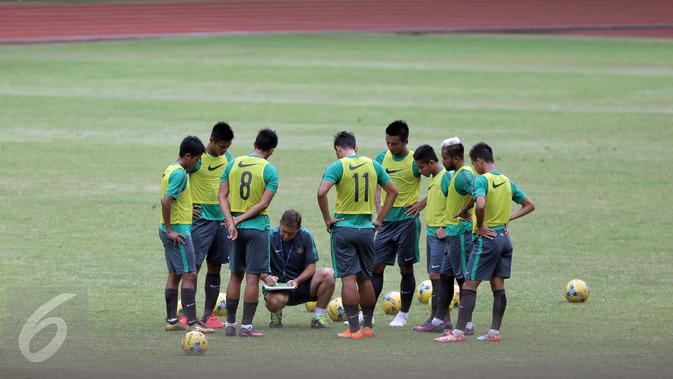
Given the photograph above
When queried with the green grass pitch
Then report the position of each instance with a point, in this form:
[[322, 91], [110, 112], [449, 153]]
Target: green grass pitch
[[584, 126]]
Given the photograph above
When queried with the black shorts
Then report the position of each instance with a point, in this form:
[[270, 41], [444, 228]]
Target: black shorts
[[302, 294], [211, 241], [490, 258], [250, 252], [352, 251], [398, 239], [179, 259]]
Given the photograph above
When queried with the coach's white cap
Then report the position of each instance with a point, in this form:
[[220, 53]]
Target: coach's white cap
[[451, 141]]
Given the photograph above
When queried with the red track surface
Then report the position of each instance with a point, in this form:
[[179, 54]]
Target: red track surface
[[39, 22]]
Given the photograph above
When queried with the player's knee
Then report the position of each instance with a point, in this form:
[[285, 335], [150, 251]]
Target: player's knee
[[406, 269], [325, 275], [214, 268], [433, 276], [189, 277], [252, 279]]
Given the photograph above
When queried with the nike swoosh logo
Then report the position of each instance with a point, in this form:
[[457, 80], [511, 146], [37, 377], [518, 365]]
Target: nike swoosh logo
[[241, 164], [430, 187], [433, 266], [212, 286], [214, 168], [408, 259], [350, 165], [496, 186], [389, 171]]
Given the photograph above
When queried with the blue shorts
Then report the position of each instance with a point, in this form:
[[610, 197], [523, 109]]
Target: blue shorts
[[211, 241], [435, 249], [398, 239], [352, 251]]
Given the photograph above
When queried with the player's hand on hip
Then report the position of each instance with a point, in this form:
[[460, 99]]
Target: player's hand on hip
[[331, 223], [506, 231], [415, 209], [195, 212], [376, 224], [486, 232], [176, 238], [440, 233]]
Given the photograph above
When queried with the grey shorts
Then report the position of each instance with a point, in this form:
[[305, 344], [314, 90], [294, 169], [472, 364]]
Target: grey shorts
[[211, 241], [490, 258], [179, 259], [352, 251], [250, 252], [398, 238], [458, 250], [435, 249]]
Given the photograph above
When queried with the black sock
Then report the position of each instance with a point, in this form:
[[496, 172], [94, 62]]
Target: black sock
[[352, 313], [434, 298], [367, 314], [467, 304], [499, 305], [171, 295], [212, 290], [460, 293], [249, 310], [377, 282], [407, 287], [189, 304], [232, 306], [445, 297]]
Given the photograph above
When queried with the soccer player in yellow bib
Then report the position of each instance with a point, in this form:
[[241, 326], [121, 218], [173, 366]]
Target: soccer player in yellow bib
[[352, 229], [210, 237], [458, 231], [247, 187], [175, 234], [435, 219], [491, 256], [400, 232]]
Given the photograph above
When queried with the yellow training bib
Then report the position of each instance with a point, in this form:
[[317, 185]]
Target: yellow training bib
[[246, 183], [181, 211], [205, 183], [402, 174], [357, 188]]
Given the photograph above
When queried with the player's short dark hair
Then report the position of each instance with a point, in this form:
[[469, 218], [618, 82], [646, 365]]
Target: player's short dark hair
[[222, 132], [266, 140], [398, 128], [291, 218], [483, 151], [191, 145], [457, 150], [425, 154], [345, 140]]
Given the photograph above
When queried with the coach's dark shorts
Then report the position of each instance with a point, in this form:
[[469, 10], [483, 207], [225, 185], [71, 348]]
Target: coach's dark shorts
[[179, 259], [458, 250], [435, 249], [398, 238], [250, 252], [302, 294], [211, 241], [490, 258], [352, 251]]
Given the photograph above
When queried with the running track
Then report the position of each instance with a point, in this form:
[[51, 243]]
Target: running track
[[43, 22]]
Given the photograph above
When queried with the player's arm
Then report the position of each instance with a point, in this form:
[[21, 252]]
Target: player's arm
[[391, 195], [304, 276], [520, 197], [256, 209], [479, 211], [464, 212], [166, 205], [323, 203], [223, 199], [377, 199]]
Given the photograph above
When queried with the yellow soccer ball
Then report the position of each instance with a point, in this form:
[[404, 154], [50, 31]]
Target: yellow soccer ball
[[335, 310], [392, 303], [221, 305], [576, 291], [310, 306], [424, 291], [194, 343]]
